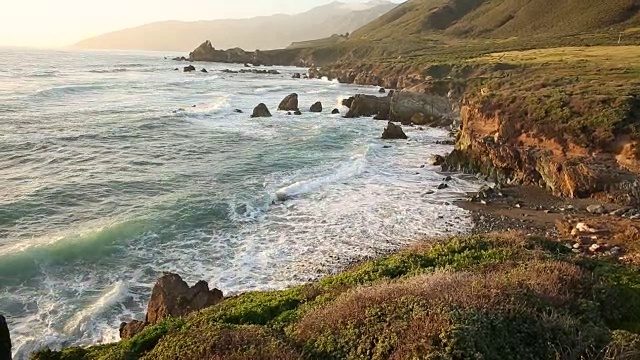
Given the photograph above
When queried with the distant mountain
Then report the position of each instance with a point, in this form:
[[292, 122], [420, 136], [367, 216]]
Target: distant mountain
[[265, 32]]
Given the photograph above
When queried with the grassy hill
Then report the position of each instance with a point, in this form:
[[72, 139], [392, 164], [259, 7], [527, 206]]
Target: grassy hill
[[502, 18]]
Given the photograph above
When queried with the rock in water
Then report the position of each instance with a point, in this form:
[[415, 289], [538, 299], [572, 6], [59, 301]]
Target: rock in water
[[317, 107], [393, 131], [368, 105], [261, 111], [419, 119], [204, 70], [335, 111], [172, 297], [438, 160], [238, 111], [296, 76], [382, 91], [297, 112], [348, 101], [289, 103], [189, 68], [5, 340]]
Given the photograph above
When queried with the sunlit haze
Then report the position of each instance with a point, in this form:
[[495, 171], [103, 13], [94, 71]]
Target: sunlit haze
[[50, 23]]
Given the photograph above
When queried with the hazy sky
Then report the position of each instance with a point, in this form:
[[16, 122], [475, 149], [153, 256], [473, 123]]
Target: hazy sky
[[64, 22]]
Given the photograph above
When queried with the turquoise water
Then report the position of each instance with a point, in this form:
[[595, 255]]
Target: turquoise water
[[115, 168]]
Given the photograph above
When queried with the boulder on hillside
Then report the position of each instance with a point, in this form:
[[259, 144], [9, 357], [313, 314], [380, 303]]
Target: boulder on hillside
[[368, 105], [289, 103], [393, 131], [296, 76], [261, 111], [5, 339], [335, 111], [172, 297], [189, 68], [316, 108]]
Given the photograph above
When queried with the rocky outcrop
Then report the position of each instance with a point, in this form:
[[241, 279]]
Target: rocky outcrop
[[172, 297], [316, 107], [335, 111], [430, 109], [5, 340], [189, 68], [393, 131], [348, 101], [289, 103], [261, 111], [285, 57], [368, 105]]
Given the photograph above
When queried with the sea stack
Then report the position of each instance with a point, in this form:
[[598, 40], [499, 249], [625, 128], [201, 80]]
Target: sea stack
[[5, 340]]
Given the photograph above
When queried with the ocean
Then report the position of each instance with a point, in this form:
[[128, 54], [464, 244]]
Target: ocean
[[115, 168]]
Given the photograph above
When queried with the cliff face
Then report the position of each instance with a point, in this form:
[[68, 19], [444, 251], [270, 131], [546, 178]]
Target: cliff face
[[495, 145]]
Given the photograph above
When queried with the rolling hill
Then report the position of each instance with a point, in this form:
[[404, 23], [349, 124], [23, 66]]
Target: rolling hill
[[502, 18], [249, 34]]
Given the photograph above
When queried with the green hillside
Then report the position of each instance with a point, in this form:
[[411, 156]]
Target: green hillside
[[503, 18]]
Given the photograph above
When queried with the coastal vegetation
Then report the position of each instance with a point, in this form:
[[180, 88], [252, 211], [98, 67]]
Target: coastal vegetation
[[492, 296]]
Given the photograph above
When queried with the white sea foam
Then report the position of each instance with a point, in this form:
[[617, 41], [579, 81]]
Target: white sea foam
[[85, 320]]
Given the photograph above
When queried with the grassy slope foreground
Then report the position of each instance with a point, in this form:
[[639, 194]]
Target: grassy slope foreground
[[478, 297]]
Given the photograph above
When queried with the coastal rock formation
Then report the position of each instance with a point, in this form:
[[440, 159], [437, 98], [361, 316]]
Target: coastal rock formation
[[204, 70], [317, 107], [296, 76], [206, 52], [297, 112], [189, 68], [261, 111], [179, 58], [434, 110], [172, 297], [348, 101], [5, 339], [335, 111], [368, 105], [393, 131], [382, 91], [289, 103]]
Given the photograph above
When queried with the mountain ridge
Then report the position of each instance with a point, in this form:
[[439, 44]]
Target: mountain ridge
[[173, 35]]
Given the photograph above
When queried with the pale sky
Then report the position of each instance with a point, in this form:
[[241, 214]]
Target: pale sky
[[53, 23]]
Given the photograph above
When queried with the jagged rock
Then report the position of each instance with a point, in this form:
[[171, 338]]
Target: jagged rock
[[5, 339], [289, 103], [261, 111], [438, 160], [382, 91], [596, 209], [297, 112], [172, 297], [317, 107], [131, 329], [368, 105], [189, 68], [296, 76], [393, 131], [204, 70], [348, 101], [335, 111]]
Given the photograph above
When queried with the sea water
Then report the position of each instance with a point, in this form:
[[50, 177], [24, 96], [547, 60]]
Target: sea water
[[115, 168]]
